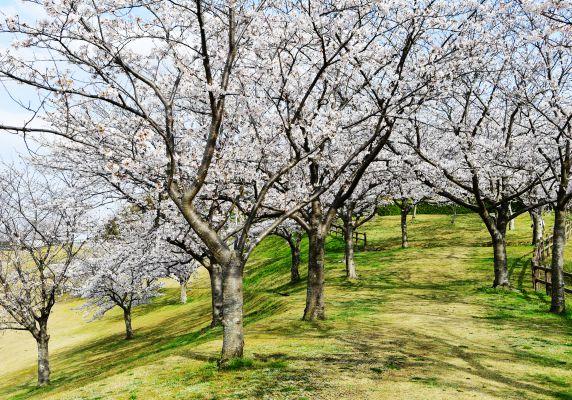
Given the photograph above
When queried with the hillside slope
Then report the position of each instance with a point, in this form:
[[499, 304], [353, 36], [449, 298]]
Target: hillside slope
[[420, 323]]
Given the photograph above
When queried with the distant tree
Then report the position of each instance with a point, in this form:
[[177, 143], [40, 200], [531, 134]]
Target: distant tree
[[122, 270], [360, 208], [405, 189], [474, 144], [43, 226], [182, 273], [290, 231]]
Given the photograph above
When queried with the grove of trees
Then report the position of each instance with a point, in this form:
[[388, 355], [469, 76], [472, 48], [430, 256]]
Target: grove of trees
[[205, 126]]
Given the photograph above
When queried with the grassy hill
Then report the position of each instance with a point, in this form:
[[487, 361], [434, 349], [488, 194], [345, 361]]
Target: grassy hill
[[420, 323]]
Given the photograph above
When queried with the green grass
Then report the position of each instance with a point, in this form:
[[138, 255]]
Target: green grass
[[420, 323]]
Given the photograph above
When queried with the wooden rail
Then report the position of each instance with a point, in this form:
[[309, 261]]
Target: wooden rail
[[358, 236], [541, 258]]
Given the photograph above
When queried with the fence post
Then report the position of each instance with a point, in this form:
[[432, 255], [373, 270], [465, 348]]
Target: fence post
[[548, 279]]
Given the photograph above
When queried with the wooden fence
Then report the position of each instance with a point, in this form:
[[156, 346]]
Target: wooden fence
[[541, 259], [358, 236]]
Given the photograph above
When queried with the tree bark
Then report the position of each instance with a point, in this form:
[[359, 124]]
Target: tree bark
[[128, 327], [454, 215], [215, 273], [315, 308], [499, 250], [183, 292], [404, 212], [537, 226], [294, 242], [233, 335], [315, 291], [349, 249], [511, 222], [414, 215], [42, 341], [558, 303]]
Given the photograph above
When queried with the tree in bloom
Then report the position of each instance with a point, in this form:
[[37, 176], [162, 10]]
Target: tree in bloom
[[474, 145], [122, 269], [402, 186], [258, 108], [543, 62], [181, 272], [43, 226], [392, 75], [174, 230], [174, 98], [360, 208], [291, 232]]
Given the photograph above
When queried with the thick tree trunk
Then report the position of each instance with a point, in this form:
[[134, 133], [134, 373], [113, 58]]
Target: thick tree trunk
[[215, 273], [294, 242], [500, 259], [349, 249], [42, 341], [315, 292], [128, 327], [233, 335], [500, 263], [404, 212], [315, 307], [183, 292], [537, 226], [558, 304]]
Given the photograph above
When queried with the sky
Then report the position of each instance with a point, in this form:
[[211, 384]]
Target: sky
[[10, 112]]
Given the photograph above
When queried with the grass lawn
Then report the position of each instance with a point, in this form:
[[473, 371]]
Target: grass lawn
[[420, 323]]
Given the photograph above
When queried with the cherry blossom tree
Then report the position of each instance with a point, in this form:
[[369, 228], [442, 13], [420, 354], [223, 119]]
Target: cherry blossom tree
[[404, 188], [43, 226], [122, 269], [182, 273], [397, 72], [360, 208], [265, 107], [543, 31], [175, 231], [476, 146], [291, 232], [168, 105], [171, 118]]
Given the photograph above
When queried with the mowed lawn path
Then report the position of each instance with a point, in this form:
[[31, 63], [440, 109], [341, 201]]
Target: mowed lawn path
[[420, 323]]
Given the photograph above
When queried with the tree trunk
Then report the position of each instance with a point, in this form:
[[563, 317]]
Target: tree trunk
[[511, 222], [414, 214], [315, 308], [558, 304], [404, 212], [454, 215], [349, 249], [294, 242], [215, 273], [315, 291], [42, 341], [183, 292], [127, 319], [233, 335], [500, 259], [537, 226]]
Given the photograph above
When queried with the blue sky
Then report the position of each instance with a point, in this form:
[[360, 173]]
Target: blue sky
[[10, 113]]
